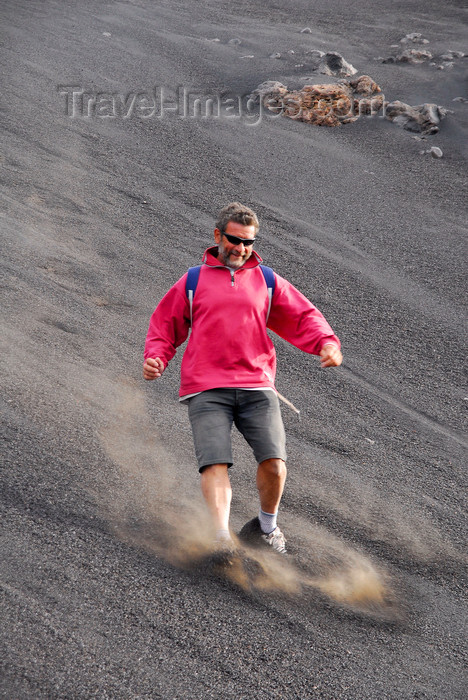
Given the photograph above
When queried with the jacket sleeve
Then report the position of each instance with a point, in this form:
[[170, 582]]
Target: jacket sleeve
[[169, 325], [294, 318]]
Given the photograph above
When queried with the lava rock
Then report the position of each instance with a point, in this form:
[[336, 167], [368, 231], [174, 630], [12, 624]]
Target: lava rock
[[269, 88], [334, 64], [315, 53], [324, 105], [415, 38], [423, 118], [451, 55], [344, 102], [414, 56]]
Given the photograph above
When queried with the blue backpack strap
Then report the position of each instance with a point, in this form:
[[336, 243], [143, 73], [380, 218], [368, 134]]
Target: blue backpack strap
[[270, 282], [191, 284], [194, 273]]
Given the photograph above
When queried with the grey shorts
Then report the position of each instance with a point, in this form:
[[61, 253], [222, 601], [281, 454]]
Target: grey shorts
[[255, 413]]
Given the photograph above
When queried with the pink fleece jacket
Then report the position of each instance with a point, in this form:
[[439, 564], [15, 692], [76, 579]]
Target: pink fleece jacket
[[229, 345]]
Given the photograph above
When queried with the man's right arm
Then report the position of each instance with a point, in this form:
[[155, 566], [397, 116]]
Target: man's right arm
[[168, 328], [153, 367]]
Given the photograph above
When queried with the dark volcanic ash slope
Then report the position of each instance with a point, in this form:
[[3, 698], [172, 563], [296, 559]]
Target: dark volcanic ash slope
[[105, 206]]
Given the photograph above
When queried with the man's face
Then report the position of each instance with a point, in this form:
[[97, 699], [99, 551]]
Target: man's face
[[234, 254]]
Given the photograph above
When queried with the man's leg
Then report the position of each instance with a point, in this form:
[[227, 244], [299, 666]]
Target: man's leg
[[271, 475], [259, 420], [211, 416], [217, 492]]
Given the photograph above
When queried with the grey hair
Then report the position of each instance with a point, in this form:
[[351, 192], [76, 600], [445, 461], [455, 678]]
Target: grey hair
[[239, 213]]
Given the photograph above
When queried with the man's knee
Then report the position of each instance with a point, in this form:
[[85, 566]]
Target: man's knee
[[213, 470], [273, 467]]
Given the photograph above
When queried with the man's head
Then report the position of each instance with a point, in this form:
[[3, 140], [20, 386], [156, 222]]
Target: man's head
[[236, 223]]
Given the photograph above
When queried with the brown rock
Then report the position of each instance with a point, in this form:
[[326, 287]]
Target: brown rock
[[344, 102], [414, 56], [325, 105]]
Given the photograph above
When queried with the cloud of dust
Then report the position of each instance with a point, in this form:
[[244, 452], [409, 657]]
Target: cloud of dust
[[408, 534], [330, 565], [153, 505]]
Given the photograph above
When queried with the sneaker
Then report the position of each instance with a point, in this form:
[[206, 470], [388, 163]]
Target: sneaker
[[276, 540], [252, 534]]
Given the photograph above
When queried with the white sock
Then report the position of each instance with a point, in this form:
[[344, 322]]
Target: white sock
[[267, 521], [223, 535]]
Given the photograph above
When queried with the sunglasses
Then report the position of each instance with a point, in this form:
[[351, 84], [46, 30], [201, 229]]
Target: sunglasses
[[235, 240]]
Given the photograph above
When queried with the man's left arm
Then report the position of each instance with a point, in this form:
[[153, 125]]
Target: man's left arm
[[330, 355], [297, 320]]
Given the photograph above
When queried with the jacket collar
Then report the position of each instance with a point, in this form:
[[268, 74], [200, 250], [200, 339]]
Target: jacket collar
[[210, 257]]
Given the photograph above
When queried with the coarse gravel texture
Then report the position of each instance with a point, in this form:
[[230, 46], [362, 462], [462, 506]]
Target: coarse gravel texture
[[102, 213]]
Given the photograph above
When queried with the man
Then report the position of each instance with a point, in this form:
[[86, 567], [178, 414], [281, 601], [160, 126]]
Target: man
[[228, 368]]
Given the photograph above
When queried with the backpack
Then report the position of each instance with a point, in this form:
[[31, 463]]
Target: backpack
[[194, 273]]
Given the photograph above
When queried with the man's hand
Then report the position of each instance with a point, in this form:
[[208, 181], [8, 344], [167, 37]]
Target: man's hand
[[330, 356], [153, 368]]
